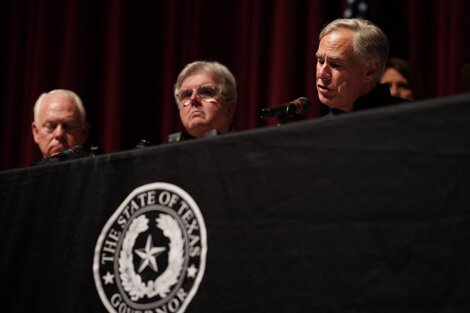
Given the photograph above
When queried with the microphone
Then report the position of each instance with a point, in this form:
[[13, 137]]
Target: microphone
[[75, 152], [286, 110]]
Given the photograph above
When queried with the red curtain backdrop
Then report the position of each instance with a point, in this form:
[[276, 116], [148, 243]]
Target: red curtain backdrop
[[122, 58]]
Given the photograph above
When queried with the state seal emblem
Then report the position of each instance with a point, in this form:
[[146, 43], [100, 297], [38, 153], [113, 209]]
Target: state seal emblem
[[151, 253]]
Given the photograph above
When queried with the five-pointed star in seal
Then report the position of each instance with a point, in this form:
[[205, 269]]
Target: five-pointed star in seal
[[148, 255], [108, 278], [192, 270]]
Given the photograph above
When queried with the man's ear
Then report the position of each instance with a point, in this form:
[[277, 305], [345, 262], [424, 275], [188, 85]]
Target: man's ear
[[34, 130], [372, 69]]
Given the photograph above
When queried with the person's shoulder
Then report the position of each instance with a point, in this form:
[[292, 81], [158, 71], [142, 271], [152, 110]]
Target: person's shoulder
[[383, 93], [397, 100], [379, 97]]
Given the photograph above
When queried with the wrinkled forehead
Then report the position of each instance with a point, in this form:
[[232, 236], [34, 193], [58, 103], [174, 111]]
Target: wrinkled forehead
[[198, 78]]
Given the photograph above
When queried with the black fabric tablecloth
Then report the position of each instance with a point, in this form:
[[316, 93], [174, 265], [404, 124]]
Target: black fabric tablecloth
[[365, 212]]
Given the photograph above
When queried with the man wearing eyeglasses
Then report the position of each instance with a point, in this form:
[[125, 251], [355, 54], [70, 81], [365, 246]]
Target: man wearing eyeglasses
[[206, 95]]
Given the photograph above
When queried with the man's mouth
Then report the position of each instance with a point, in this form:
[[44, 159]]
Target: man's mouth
[[196, 113], [58, 149], [323, 89]]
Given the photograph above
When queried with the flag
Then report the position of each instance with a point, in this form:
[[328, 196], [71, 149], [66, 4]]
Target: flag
[[356, 9]]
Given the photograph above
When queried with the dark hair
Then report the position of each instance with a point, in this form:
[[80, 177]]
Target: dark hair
[[409, 73]]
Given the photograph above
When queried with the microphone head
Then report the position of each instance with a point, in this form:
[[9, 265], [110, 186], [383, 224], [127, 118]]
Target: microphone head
[[286, 110], [301, 105]]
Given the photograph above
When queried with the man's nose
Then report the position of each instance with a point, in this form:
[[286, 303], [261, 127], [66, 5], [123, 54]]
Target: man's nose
[[59, 131], [324, 74], [195, 101]]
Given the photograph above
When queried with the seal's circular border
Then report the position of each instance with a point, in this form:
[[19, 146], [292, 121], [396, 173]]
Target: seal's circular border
[[197, 212]]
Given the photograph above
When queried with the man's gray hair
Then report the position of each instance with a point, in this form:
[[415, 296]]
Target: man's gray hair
[[369, 41], [64, 93], [219, 72]]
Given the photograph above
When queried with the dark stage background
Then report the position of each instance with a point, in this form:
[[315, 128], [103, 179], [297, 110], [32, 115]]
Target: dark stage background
[[122, 57]]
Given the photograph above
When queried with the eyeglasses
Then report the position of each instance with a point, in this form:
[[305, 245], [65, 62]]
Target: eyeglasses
[[207, 93]]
